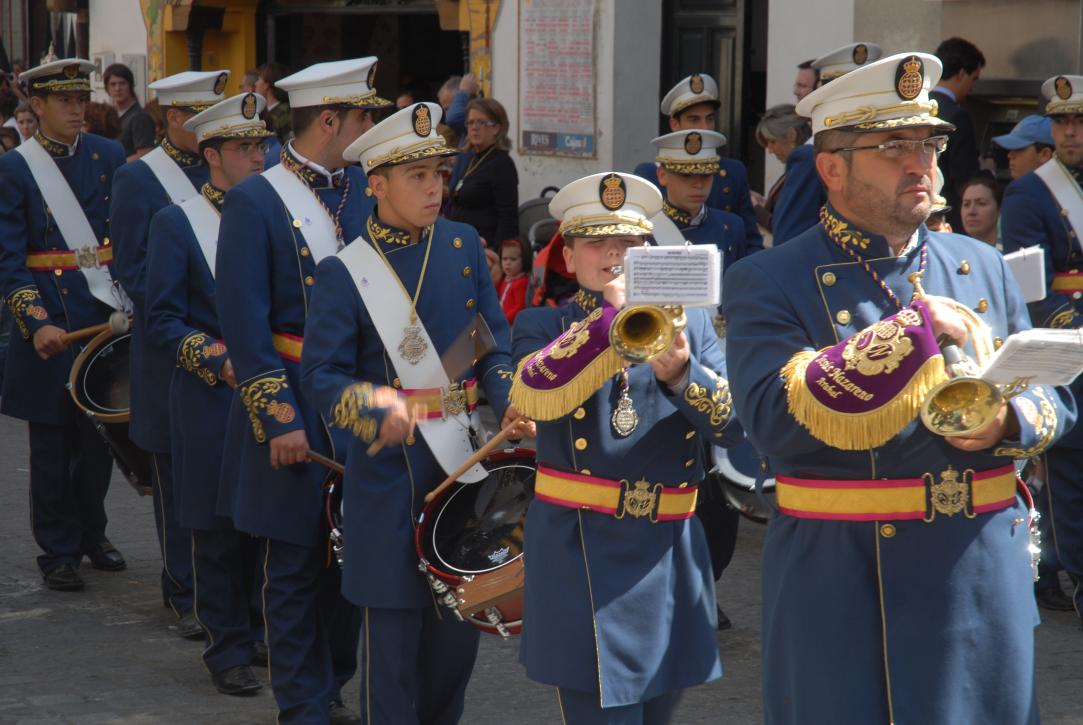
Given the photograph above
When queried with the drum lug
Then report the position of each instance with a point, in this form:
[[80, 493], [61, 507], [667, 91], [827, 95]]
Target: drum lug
[[493, 615], [443, 592]]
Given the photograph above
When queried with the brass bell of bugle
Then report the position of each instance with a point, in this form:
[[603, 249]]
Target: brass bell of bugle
[[962, 404], [641, 333]]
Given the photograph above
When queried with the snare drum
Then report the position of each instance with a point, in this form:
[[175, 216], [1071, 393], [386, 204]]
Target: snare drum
[[99, 386], [470, 543], [739, 467]]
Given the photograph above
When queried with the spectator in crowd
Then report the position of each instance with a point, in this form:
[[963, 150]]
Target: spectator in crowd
[[136, 127], [457, 92], [962, 67], [447, 92], [515, 261], [25, 121], [484, 182], [406, 98], [807, 79], [1029, 144], [102, 119], [248, 83], [8, 103], [981, 209], [780, 131], [9, 139], [277, 113]]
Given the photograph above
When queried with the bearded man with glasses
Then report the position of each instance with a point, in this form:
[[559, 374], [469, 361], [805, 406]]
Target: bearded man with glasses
[[898, 560]]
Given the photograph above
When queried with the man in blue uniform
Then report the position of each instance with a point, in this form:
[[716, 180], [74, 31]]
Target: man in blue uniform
[[54, 276], [693, 104], [620, 459], [384, 315], [182, 322], [1045, 207], [898, 562], [275, 228], [169, 174], [798, 205]]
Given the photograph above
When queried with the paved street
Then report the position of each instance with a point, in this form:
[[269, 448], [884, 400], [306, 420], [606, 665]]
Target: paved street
[[107, 655]]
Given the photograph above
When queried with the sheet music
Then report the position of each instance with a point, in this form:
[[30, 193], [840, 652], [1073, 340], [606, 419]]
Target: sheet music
[[1028, 268], [1045, 356], [687, 275]]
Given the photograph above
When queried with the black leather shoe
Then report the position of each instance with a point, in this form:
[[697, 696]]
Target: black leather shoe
[[188, 627], [259, 654], [339, 714], [63, 578], [236, 681], [724, 622], [104, 556], [1054, 599]]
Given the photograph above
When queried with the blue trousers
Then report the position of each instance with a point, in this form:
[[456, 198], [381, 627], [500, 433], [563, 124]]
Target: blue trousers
[[225, 563], [415, 665], [174, 540], [311, 631], [585, 708], [69, 477], [1065, 483]]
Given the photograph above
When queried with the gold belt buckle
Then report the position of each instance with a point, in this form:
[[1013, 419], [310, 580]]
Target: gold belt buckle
[[87, 257], [953, 494], [638, 500], [454, 399]]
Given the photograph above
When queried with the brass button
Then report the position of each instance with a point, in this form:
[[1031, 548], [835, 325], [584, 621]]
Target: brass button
[[689, 435], [305, 252], [983, 305], [396, 383], [828, 279], [297, 223], [95, 156], [105, 198], [580, 413], [682, 484], [105, 242], [688, 463], [103, 178], [466, 271], [722, 173], [368, 191], [64, 291], [843, 317], [410, 440], [964, 267], [470, 304], [1064, 212], [887, 531], [1077, 295], [457, 243], [585, 471], [997, 342], [310, 280], [725, 190], [58, 272], [580, 444]]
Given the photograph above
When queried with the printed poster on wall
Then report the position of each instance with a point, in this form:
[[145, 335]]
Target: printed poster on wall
[[556, 78]]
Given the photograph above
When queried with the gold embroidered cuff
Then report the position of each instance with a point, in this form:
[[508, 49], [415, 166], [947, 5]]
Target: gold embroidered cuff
[[28, 310], [195, 350], [259, 397], [717, 403], [1042, 417], [352, 412]]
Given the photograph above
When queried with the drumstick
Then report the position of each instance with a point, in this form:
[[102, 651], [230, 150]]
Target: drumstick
[[118, 325], [479, 455], [323, 460], [419, 410]]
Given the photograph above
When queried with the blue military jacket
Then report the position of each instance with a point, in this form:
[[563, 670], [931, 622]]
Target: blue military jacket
[[265, 272], [729, 192], [924, 622], [137, 197], [345, 359], [1030, 215], [182, 322], [798, 204], [720, 228], [624, 608], [34, 389]]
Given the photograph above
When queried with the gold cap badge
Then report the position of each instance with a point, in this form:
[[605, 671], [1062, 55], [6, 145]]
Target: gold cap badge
[[71, 71], [612, 192], [248, 106], [861, 54], [220, 84], [696, 83], [1063, 87], [422, 121], [693, 142], [909, 78]]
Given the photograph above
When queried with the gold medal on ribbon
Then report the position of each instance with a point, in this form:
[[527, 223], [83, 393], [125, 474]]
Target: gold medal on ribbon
[[624, 418], [413, 347]]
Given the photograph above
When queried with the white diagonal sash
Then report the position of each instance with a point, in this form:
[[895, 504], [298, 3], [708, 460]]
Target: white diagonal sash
[[70, 219], [317, 227], [1065, 189], [389, 309], [204, 219], [178, 187]]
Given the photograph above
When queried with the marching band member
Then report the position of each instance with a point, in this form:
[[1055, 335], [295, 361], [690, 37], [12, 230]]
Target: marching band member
[[170, 174], [275, 229], [1045, 207], [898, 563], [54, 276], [383, 316], [619, 607], [181, 320]]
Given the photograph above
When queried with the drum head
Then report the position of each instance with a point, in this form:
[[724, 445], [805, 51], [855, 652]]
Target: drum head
[[100, 377], [479, 527], [739, 467]]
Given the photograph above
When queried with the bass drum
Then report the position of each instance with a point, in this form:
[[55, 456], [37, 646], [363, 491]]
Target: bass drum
[[739, 467], [98, 384], [469, 541]]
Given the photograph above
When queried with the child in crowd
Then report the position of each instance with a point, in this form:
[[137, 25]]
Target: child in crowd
[[512, 287]]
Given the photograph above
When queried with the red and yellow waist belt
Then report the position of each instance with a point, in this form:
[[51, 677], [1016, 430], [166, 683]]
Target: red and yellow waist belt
[[618, 498], [1068, 282], [69, 259], [948, 493], [288, 346]]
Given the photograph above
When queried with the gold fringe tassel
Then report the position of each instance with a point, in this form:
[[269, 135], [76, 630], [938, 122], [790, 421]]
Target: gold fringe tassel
[[559, 402], [857, 431]]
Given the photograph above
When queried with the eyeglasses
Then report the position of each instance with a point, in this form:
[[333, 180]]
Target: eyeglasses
[[247, 149], [477, 122], [901, 147]]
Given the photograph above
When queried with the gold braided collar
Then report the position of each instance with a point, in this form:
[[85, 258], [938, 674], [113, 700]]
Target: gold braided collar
[[586, 300], [216, 197], [55, 148], [182, 157], [306, 173], [678, 215], [840, 230], [388, 235]]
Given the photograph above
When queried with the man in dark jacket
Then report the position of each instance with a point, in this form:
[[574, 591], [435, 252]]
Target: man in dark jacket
[[962, 67]]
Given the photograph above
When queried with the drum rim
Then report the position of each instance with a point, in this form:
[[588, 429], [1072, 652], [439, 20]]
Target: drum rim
[[728, 471], [78, 368], [431, 535]]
